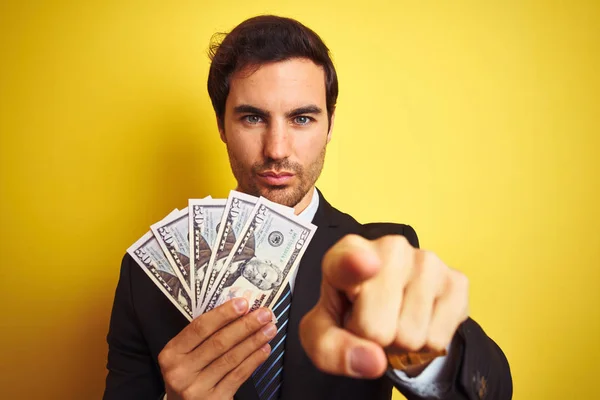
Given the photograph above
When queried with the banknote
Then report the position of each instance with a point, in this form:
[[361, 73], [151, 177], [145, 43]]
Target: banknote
[[204, 218], [172, 234], [236, 213], [267, 250], [150, 257]]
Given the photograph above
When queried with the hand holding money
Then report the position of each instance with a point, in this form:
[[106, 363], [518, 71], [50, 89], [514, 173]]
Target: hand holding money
[[379, 296], [216, 352], [216, 250]]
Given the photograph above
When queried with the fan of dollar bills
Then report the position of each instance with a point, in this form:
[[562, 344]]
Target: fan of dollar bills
[[215, 250]]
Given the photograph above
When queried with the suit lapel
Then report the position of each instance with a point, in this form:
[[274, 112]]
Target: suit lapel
[[301, 380]]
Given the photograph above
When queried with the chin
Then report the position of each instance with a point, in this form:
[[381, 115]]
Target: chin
[[288, 196]]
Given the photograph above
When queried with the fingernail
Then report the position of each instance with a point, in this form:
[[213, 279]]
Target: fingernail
[[266, 348], [240, 305], [264, 316], [269, 330], [362, 362]]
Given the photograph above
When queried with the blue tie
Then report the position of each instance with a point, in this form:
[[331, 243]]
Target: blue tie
[[268, 378]]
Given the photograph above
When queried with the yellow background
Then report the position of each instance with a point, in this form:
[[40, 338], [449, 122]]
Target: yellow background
[[476, 123]]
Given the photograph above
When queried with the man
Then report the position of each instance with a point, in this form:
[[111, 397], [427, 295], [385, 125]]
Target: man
[[360, 289]]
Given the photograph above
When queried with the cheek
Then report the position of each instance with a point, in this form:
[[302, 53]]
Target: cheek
[[245, 148], [308, 148]]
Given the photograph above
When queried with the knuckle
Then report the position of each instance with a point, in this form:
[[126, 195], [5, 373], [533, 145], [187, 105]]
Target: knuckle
[[428, 258], [410, 320], [165, 357], [199, 327], [461, 282], [186, 394], [170, 377], [401, 242], [351, 240], [238, 375], [437, 342], [218, 343], [410, 340], [229, 360], [381, 336], [397, 242], [224, 312], [189, 393], [402, 250], [250, 323], [174, 378], [431, 264], [341, 248]]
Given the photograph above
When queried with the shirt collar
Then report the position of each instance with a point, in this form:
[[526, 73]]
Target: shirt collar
[[309, 212]]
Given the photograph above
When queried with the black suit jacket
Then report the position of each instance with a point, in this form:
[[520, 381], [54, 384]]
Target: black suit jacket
[[143, 321]]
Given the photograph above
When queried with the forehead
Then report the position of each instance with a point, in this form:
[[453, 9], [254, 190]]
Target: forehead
[[284, 84]]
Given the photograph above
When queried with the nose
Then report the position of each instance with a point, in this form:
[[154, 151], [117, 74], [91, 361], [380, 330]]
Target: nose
[[277, 142]]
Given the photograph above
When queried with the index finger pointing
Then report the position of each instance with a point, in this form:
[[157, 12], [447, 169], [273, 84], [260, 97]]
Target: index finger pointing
[[205, 325], [350, 262], [337, 351]]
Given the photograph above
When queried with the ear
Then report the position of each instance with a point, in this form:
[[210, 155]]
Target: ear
[[221, 128], [331, 126]]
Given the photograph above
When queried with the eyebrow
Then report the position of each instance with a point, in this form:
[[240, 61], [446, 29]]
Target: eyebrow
[[247, 108]]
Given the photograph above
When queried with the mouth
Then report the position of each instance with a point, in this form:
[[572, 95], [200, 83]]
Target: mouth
[[276, 178]]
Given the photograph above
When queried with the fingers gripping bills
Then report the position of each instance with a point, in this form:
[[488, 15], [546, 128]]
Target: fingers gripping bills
[[215, 250]]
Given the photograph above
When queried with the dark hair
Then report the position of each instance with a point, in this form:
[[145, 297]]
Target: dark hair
[[260, 40]]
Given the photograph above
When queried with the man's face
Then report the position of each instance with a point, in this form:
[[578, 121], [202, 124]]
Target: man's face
[[276, 129], [261, 274]]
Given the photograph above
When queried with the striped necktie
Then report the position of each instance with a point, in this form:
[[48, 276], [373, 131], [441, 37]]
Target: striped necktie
[[268, 378]]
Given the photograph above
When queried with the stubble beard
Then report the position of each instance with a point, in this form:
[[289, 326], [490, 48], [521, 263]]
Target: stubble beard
[[287, 195]]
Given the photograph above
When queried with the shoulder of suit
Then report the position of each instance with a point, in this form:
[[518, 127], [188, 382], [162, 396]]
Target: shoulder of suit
[[378, 229], [372, 230]]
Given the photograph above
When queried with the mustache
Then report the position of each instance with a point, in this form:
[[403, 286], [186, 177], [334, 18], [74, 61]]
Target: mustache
[[278, 166]]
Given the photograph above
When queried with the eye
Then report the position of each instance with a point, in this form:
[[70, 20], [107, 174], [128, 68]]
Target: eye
[[302, 120], [252, 119]]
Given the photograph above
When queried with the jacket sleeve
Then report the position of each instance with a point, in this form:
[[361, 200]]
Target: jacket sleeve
[[480, 370], [132, 373]]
